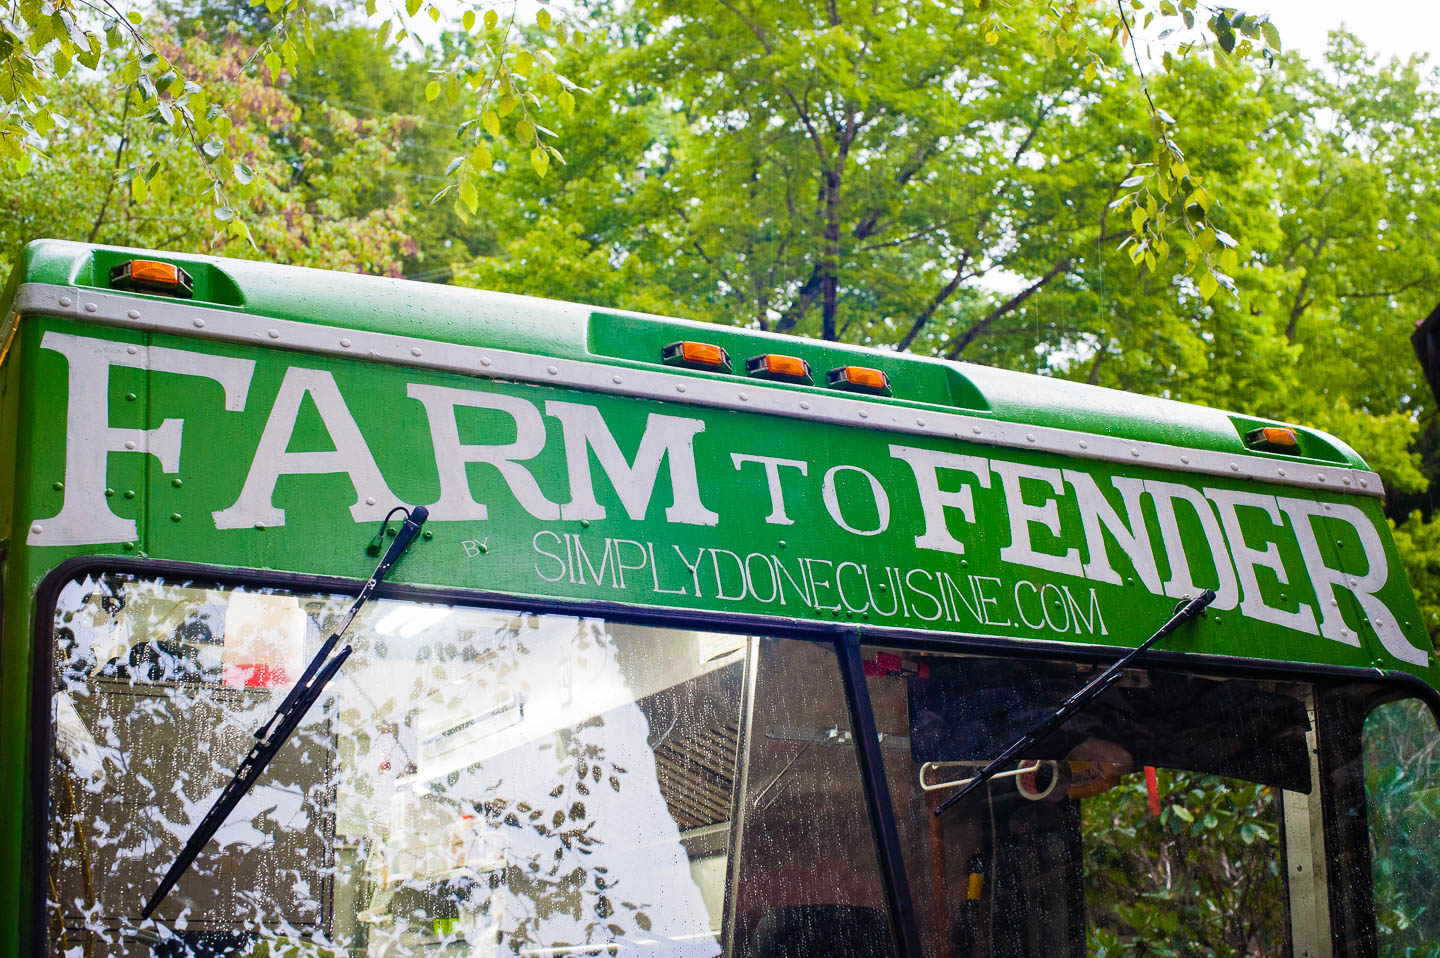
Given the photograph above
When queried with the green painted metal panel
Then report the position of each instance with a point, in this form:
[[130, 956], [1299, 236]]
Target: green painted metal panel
[[657, 503]]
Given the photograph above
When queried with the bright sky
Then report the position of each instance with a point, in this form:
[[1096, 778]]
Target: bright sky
[[1389, 27]]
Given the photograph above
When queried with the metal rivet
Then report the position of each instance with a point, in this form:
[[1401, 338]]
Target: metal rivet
[[1234, 467], [90, 307], [1353, 583], [1280, 472], [133, 313], [1135, 453], [616, 380], [804, 404], [919, 422], [369, 500], [1185, 460], [128, 546], [427, 534], [414, 350], [484, 360], [552, 370], [679, 387], [130, 397], [260, 526], [1029, 437], [129, 443], [64, 300], [975, 429], [584, 523], [58, 486], [345, 343], [177, 483], [1364, 483], [273, 333], [1084, 444], [37, 529], [174, 517], [744, 397], [864, 414], [199, 323], [131, 350], [109, 493], [129, 493], [783, 544]]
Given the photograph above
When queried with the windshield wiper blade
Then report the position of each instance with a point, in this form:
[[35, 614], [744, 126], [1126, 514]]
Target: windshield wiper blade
[[277, 730], [1188, 610]]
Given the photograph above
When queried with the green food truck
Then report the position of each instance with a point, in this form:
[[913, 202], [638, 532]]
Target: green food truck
[[684, 640]]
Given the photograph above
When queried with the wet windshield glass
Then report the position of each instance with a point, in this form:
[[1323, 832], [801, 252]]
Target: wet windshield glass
[[1154, 819], [476, 782]]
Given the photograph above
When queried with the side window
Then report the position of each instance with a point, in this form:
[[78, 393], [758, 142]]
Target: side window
[[1402, 796]]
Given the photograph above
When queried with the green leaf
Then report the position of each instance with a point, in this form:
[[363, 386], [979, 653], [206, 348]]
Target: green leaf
[[524, 62], [1272, 35], [506, 104], [542, 17], [469, 196], [490, 120], [243, 173], [481, 158], [566, 99], [212, 148], [432, 91], [524, 131], [1208, 285], [468, 20], [224, 213], [1138, 217], [1183, 813], [540, 162], [491, 19], [412, 7]]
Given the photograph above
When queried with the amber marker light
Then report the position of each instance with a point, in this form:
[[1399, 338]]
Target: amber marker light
[[696, 356], [860, 379], [1273, 437], [775, 366], [152, 276]]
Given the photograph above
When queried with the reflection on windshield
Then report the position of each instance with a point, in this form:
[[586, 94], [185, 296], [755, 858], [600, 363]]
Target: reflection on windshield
[[475, 782], [476, 776]]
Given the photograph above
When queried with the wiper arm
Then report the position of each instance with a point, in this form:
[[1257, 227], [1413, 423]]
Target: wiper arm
[[277, 730], [1092, 690]]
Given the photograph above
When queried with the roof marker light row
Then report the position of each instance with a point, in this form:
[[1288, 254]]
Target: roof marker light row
[[775, 367]]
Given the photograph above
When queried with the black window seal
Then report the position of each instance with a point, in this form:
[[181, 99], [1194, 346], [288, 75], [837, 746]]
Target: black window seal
[[842, 636]]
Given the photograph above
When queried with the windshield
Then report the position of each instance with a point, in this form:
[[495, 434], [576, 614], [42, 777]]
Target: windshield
[[476, 782], [482, 781]]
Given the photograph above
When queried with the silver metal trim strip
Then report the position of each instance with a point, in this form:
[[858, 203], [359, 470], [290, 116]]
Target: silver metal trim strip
[[185, 319]]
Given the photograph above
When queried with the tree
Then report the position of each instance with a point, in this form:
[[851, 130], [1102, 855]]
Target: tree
[[309, 207], [508, 69]]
